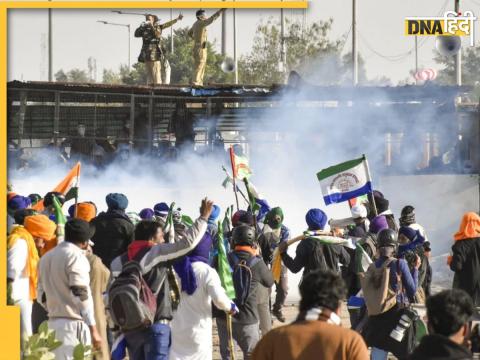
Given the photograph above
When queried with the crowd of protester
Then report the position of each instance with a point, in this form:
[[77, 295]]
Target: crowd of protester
[[85, 277]]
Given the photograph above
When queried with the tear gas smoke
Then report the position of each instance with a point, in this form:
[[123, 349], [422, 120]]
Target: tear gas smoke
[[287, 145]]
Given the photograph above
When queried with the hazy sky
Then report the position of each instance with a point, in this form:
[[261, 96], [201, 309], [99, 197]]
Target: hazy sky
[[77, 35]]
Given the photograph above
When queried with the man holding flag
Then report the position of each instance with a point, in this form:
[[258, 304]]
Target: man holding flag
[[314, 253]]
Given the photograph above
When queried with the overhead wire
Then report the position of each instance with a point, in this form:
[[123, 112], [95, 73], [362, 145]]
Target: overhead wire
[[404, 55]]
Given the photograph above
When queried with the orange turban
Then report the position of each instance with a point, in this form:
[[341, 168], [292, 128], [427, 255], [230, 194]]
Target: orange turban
[[469, 228], [86, 211], [40, 226]]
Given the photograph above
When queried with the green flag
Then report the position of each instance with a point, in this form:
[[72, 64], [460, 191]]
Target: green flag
[[223, 270], [61, 220], [169, 229], [362, 260]]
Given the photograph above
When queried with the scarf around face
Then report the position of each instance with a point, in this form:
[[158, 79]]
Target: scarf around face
[[184, 267]]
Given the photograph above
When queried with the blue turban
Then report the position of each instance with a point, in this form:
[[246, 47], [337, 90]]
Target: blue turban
[[146, 214], [116, 201], [161, 209], [316, 219], [71, 210], [378, 224], [19, 202], [214, 215]]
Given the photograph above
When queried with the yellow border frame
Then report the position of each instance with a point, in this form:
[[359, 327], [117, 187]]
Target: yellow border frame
[[10, 315]]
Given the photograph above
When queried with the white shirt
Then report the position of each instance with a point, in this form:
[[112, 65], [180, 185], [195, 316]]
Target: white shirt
[[192, 322], [17, 270]]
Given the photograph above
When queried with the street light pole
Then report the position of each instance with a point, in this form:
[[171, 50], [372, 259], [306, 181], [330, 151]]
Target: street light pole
[[124, 25], [354, 44], [171, 31], [50, 51], [129, 39], [235, 61]]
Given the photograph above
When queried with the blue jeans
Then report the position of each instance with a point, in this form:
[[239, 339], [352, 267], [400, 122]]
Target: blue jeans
[[378, 354], [152, 343]]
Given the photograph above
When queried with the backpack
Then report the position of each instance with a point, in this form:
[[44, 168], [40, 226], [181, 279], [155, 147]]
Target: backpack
[[242, 276], [379, 297], [131, 301]]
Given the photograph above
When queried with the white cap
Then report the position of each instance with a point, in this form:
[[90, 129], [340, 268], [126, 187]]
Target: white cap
[[359, 211]]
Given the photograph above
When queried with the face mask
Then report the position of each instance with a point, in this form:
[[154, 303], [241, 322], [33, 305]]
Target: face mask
[[275, 223]]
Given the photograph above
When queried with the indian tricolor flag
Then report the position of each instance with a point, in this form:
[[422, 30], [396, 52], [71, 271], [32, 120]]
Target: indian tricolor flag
[[240, 167], [345, 181], [69, 183]]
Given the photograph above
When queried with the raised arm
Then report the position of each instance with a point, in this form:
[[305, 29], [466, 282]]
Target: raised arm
[[214, 17], [171, 22], [169, 251]]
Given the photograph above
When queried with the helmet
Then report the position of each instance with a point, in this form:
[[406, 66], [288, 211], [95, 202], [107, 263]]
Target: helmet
[[48, 199], [387, 237], [243, 235]]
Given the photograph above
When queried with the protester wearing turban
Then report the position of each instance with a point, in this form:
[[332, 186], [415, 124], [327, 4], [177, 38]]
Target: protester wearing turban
[[465, 259], [359, 215], [377, 224], [18, 202], [116, 201], [146, 214], [316, 219], [411, 242], [15, 202], [35, 198], [22, 263], [200, 286], [382, 205], [85, 211], [161, 209], [114, 229], [311, 254], [407, 218]]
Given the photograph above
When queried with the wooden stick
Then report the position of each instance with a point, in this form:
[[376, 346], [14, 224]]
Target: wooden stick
[[230, 336]]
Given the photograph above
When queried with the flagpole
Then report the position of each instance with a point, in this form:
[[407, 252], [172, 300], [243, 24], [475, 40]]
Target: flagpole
[[234, 175], [369, 178], [238, 189], [78, 189], [230, 336]]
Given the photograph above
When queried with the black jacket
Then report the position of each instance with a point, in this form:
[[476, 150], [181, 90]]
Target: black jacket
[[466, 264], [113, 234], [438, 347], [312, 255], [260, 275]]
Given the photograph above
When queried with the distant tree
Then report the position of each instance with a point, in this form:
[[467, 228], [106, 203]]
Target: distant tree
[[135, 76], [470, 67], [61, 76], [346, 70], [74, 75], [309, 51], [111, 77], [78, 76]]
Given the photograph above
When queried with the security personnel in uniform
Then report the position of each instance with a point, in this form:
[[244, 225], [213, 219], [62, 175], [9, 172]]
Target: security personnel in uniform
[[150, 31], [199, 34]]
